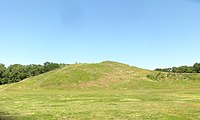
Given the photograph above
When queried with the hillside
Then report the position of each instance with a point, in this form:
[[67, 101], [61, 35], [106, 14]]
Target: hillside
[[83, 76], [108, 74]]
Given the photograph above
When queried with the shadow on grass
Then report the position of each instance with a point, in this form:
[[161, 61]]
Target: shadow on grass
[[7, 116]]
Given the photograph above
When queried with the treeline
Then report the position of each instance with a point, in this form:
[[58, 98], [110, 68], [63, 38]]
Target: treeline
[[182, 69], [17, 72]]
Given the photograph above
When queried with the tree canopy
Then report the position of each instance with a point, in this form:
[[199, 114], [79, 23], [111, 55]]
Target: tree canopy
[[17, 72], [182, 69]]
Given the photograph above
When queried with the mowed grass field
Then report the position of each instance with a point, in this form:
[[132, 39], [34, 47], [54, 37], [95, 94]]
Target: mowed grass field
[[107, 90], [81, 105]]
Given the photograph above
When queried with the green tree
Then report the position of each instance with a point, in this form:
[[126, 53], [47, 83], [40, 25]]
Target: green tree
[[34, 70], [17, 73], [2, 73], [196, 67], [2, 70], [48, 66]]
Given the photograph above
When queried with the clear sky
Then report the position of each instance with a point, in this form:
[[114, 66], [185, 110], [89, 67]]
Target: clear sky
[[143, 33]]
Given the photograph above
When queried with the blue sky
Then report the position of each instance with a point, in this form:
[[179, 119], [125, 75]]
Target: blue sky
[[144, 33]]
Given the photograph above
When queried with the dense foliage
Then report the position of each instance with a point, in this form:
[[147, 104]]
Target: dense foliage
[[17, 72], [182, 69]]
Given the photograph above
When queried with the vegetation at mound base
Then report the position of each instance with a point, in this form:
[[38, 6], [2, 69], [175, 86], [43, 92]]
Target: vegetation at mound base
[[174, 76]]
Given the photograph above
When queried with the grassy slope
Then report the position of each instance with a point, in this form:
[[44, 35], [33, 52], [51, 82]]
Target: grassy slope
[[79, 76], [106, 90]]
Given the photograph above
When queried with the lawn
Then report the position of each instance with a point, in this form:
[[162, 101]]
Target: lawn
[[152, 104]]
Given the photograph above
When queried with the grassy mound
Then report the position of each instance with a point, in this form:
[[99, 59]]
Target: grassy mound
[[106, 75], [96, 75]]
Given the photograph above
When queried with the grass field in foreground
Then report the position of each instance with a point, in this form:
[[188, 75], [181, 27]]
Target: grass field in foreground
[[136, 104]]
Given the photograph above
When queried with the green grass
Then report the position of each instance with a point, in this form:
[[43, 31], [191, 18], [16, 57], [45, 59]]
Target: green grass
[[107, 90], [138, 104]]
